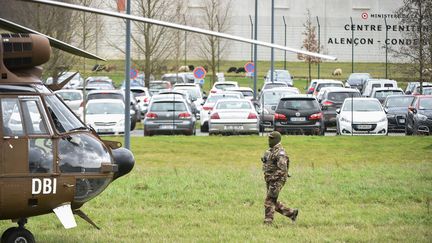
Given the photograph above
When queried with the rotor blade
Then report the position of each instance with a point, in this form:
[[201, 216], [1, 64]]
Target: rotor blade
[[177, 26], [14, 27]]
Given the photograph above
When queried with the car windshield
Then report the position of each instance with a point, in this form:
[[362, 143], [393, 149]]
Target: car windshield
[[282, 75], [362, 105], [272, 98], [235, 105], [100, 85], [341, 96], [385, 93], [298, 104], [193, 93], [224, 86], [274, 85], [427, 91], [399, 101], [215, 98], [168, 106], [247, 93], [320, 86], [173, 79], [70, 96], [105, 108], [425, 104], [358, 78], [105, 96], [64, 119]]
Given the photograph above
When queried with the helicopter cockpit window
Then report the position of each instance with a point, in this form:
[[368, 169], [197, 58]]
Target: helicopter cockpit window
[[34, 122], [64, 119], [81, 153], [40, 155], [12, 121]]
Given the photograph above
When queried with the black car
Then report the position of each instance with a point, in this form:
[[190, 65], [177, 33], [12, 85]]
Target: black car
[[299, 114], [419, 117], [396, 107], [332, 99], [357, 80]]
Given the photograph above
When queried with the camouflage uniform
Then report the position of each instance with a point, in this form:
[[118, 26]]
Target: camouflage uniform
[[275, 167]]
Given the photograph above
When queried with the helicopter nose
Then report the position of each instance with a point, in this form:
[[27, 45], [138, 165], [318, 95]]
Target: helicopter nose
[[125, 161]]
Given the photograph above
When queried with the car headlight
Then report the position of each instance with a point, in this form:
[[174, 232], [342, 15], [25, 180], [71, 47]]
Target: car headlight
[[343, 119], [421, 117], [382, 119], [120, 123]]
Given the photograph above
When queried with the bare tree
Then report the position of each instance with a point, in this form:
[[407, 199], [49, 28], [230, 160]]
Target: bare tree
[[47, 20], [310, 43], [417, 13], [155, 42], [216, 17]]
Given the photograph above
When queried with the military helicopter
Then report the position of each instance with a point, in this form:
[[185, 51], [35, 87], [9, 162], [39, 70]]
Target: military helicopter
[[50, 161]]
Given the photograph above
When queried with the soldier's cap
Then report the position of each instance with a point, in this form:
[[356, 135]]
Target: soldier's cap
[[274, 134]]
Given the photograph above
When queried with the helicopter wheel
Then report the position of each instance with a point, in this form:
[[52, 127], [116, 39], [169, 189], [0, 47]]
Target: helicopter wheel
[[17, 234]]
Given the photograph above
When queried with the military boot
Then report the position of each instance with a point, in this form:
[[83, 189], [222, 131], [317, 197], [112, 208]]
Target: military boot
[[294, 214]]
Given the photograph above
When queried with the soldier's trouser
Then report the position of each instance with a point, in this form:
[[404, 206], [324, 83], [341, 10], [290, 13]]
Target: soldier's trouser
[[271, 204]]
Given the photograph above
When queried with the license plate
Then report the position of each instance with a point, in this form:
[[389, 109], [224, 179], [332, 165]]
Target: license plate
[[364, 126], [167, 127], [105, 130], [401, 120], [298, 119], [233, 127]]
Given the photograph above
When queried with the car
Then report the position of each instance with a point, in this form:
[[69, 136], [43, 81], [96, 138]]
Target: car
[[120, 95], [396, 107], [382, 93], [426, 87], [321, 83], [169, 116], [99, 85], [279, 76], [246, 91], [195, 94], [157, 85], [377, 83], [235, 116], [412, 87], [267, 103], [73, 99], [106, 116], [139, 80], [210, 102], [186, 96], [174, 78], [221, 86], [103, 79], [271, 85], [299, 114], [142, 97], [368, 117], [331, 99], [419, 116], [357, 80]]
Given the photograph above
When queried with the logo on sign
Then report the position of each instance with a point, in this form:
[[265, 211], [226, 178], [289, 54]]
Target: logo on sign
[[199, 73], [249, 67], [365, 15]]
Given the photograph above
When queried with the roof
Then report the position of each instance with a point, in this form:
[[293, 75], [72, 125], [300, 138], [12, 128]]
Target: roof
[[239, 88], [387, 88], [329, 81], [105, 101], [339, 89], [298, 96]]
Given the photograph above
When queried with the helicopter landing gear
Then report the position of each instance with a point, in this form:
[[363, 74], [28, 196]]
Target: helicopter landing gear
[[18, 234]]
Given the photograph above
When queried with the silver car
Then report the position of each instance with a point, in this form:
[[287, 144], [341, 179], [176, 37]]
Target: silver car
[[233, 116], [169, 116]]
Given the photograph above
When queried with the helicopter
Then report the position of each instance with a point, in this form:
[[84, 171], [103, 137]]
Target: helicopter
[[50, 160]]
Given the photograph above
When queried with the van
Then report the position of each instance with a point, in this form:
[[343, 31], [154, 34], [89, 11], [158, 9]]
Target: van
[[377, 83]]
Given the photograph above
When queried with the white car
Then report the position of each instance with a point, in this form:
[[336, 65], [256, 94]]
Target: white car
[[106, 115], [73, 99], [221, 86], [368, 117], [246, 91], [233, 116], [210, 102], [194, 92]]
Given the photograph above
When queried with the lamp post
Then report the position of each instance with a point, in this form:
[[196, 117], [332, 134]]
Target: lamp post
[[272, 41], [285, 43]]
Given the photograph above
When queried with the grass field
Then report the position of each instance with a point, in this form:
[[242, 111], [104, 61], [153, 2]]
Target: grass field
[[211, 189]]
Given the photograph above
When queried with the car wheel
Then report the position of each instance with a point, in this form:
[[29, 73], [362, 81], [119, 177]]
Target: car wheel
[[133, 124]]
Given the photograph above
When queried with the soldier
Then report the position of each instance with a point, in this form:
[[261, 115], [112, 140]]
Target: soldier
[[275, 166]]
